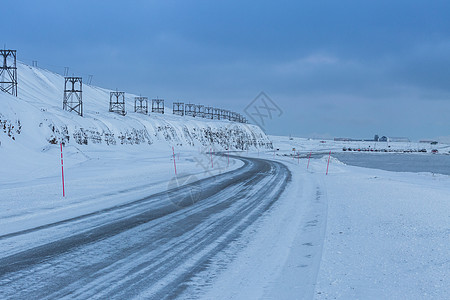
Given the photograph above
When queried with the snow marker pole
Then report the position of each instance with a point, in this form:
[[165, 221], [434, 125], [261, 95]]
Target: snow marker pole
[[212, 164], [228, 157], [62, 171], [309, 157], [298, 158], [328, 162], [174, 164]]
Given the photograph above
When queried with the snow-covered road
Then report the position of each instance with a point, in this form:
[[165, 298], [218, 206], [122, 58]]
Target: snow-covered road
[[148, 248], [267, 229]]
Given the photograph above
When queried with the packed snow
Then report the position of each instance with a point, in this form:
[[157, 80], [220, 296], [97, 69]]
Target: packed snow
[[355, 233]]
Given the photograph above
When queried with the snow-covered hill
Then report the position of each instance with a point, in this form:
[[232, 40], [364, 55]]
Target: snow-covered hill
[[35, 119]]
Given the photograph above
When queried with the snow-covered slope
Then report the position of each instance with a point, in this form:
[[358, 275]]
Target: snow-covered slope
[[35, 119]]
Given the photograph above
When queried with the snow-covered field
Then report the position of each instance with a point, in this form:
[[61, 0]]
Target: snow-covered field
[[387, 235], [304, 146], [356, 233]]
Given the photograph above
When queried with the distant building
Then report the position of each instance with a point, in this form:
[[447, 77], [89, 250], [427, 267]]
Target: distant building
[[383, 139]]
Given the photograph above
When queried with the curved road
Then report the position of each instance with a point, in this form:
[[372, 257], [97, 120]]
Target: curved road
[[148, 248]]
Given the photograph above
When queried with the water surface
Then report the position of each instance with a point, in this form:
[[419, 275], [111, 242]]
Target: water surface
[[398, 162]]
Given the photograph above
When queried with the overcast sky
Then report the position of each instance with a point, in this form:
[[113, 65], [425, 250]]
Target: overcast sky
[[334, 68]]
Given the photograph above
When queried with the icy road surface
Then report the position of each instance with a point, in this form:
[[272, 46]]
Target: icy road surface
[[149, 248]]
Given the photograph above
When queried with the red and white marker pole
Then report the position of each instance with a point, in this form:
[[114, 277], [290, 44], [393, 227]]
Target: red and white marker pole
[[309, 157], [174, 164], [328, 162], [62, 171]]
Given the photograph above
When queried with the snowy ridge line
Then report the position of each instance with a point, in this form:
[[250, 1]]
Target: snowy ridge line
[[38, 111]]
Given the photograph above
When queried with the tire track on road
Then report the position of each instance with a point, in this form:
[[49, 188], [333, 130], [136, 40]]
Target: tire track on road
[[194, 233]]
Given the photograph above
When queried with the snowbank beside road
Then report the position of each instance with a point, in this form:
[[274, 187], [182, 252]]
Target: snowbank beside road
[[354, 234], [96, 179], [387, 235]]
